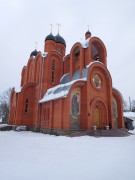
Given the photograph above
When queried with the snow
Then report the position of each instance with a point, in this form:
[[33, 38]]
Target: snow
[[51, 94], [59, 91], [32, 156], [94, 63], [85, 43], [63, 76], [21, 128], [17, 89], [3, 125], [44, 54], [129, 114]]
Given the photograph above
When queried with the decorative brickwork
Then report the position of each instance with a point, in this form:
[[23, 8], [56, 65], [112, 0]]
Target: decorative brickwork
[[60, 94]]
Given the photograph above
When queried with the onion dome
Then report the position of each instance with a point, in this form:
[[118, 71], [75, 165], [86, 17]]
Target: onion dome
[[88, 33], [34, 53], [60, 39], [50, 37]]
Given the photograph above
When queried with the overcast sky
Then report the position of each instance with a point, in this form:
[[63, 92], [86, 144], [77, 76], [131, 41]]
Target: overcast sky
[[23, 22]]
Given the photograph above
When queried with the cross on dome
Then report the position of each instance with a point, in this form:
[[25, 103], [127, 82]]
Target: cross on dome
[[36, 43], [58, 27], [51, 27]]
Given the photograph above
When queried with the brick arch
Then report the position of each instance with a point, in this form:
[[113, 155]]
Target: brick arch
[[31, 70], [76, 59], [118, 98], [100, 69], [12, 94], [60, 48], [38, 68], [97, 48], [72, 122], [67, 64], [103, 112], [31, 84], [24, 76], [106, 87], [56, 60]]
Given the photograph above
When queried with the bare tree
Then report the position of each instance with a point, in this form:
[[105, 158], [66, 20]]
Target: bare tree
[[125, 106], [4, 105]]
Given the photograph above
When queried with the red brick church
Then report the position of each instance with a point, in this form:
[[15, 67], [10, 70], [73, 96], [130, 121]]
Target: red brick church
[[62, 93]]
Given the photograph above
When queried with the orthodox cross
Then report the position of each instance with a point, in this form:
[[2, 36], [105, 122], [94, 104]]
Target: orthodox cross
[[51, 27], [58, 27], [36, 44]]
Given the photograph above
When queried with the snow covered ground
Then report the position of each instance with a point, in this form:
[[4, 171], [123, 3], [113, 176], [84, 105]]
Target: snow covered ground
[[34, 156]]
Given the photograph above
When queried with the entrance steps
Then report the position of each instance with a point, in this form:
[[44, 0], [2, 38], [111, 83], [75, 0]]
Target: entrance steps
[[102, 133]]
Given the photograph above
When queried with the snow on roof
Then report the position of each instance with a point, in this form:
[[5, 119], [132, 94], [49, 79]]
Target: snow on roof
[[130, 115], [93, 63], [59, 91], [85, 43], [63, 78], [17, 89], [3, 125], [44, 54]]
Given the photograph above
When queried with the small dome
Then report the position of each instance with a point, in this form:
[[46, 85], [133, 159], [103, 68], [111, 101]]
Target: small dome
[[34, 53], [50, 37], [60, 39], [88, 33]]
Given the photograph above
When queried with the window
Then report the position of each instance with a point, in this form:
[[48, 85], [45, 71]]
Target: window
[[53, 67], [26, 106], [76, 59]]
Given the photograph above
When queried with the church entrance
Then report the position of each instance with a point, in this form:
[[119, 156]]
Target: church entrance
[[99, 115]]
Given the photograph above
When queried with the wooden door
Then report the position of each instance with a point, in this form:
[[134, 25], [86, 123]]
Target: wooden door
[[96, 121]]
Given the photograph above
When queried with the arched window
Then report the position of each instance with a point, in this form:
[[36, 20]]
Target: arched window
[[98, 52], [95, 54], [76, 59], [26, 106]]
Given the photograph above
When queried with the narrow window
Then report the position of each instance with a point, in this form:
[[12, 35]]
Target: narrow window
[[53, 67], [26, 106]]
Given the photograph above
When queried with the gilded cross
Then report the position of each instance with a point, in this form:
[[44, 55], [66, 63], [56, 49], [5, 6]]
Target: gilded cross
[[58, 27], [51, 27], [36, 44]]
